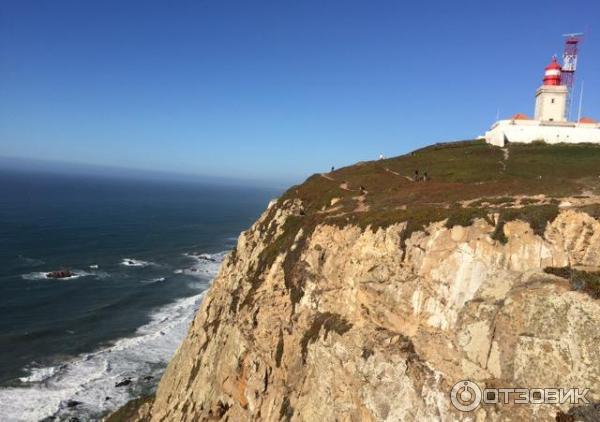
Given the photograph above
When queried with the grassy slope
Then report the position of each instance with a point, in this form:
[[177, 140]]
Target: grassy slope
[[458, 172]]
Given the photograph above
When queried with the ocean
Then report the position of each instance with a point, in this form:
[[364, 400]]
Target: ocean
[[142, 254]]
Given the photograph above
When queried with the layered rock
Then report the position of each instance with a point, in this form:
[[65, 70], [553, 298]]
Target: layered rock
[[337, 322]]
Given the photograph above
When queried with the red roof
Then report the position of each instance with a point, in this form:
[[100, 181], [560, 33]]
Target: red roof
[[553, 65], [587, 120], [520, 116]]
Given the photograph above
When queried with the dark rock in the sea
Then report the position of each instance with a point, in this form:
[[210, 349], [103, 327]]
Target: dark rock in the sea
[[74, 419], [148, 378], [73, 403], [123, 383], [107, 398], [60, 274], [202, 257]]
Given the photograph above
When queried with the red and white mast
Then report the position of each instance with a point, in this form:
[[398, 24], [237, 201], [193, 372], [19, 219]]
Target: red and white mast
[[570, 66]]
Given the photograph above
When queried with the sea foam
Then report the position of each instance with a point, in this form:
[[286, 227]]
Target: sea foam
[[132, 262], [85, 387]]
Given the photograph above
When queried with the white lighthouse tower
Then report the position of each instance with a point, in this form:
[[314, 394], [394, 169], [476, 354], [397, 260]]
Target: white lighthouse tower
[[551, 97]]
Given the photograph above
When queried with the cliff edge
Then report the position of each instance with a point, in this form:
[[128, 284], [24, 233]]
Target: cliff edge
[[367, 293]]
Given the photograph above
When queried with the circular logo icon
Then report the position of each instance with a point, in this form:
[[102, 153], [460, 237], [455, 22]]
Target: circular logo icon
[[465, 396]]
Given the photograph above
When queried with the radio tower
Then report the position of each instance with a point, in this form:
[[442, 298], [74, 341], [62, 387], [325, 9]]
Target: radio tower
[[570, 65]]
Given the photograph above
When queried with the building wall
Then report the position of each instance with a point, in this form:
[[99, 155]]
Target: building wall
[[551, 103], [528, 131]]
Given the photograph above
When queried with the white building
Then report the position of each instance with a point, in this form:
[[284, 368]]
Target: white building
[[550, 122]]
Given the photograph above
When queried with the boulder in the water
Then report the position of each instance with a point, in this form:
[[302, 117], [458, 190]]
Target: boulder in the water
[[123, 383], [60, 274]]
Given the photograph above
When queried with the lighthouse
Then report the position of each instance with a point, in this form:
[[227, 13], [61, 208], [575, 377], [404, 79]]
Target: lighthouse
[[551, 123], [551, 97]]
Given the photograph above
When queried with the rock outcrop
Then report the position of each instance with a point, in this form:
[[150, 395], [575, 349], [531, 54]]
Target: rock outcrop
[[382, 331]]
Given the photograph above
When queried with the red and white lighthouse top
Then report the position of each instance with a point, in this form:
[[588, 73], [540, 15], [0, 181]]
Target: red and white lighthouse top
[[552, 73]]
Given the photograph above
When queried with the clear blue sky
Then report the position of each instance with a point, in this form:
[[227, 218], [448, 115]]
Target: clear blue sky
[[271, 90]]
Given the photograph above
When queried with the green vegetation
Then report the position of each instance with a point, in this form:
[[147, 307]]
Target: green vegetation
[[329, 322], [416, 218], [538, 217], [592, 210], [583, 281], [529, 201]]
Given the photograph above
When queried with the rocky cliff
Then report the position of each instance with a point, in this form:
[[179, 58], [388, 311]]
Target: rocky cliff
[[366, 294]]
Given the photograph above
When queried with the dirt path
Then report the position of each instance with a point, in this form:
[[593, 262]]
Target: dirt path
[[505, 154], [361, 205], [398, 174]]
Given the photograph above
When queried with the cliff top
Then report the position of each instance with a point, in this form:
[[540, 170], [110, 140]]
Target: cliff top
[[464, 180]]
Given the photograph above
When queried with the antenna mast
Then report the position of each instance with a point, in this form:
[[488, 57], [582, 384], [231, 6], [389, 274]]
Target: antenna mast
[[570, 65], [580, 102]]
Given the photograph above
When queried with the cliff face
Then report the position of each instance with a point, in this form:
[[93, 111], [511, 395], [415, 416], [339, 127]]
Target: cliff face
[[311, 319]]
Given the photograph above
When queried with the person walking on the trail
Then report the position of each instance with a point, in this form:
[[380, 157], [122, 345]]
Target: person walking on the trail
[[332, 169]]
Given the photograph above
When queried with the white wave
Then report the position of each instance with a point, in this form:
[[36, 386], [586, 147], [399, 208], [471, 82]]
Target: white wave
[[90, 379], [39, 374], [94, 266], [132, 262], [206, 265], [154, 280], [197, 285]]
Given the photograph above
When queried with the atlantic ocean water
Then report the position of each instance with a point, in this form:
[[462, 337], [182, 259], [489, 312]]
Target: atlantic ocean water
[[141, 252]]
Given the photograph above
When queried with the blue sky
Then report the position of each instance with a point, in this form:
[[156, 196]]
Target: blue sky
[[271, 90]]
